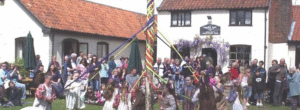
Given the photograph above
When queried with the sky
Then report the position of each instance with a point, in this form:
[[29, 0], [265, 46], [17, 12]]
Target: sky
[[139, 6]]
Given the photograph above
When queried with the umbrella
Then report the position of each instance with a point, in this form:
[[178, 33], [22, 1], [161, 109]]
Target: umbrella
[[135, 57], [29, 60]]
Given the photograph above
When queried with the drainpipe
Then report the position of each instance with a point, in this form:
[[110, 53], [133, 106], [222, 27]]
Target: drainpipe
[[265, 39]]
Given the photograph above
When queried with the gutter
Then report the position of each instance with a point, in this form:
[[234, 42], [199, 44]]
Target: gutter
[[265, 39]]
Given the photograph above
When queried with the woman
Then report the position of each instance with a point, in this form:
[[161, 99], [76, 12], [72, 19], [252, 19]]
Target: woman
[[206, 95], [56, 79], [293, 80], [82, 67], [221, 102], [169, 101], [39, 77], [95, 81], [218, 71], [14, 94], [123, 75], [15, 76], [115, 76], [104, 72]]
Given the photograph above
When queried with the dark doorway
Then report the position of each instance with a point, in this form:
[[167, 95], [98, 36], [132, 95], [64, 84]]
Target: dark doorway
[[297, 55], [70, 46], [211, 54]]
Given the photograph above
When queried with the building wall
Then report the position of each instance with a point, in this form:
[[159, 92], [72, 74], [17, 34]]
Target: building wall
[[282, 50], [235, 35], [92, 44], [15, 23]]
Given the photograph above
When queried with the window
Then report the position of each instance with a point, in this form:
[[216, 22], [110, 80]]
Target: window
[[240, 52], [20, 47], [181, 18], [84, 47], [241, 17], [2, 2], [102, 49]]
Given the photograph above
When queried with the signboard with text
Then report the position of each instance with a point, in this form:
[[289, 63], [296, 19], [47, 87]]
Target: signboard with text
[[210, 29]]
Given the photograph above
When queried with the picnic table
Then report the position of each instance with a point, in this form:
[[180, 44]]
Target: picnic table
[[28, 83]]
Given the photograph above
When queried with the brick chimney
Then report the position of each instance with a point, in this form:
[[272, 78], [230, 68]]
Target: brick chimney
[[280, 20]]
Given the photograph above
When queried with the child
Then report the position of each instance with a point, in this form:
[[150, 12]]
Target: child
[[169, 101], [75, 93], [188, 91], [100, 95], [221, 103], [258, 87], [246, 82], [125, 103], [44, 94], [110, 95], [89, 95], [14, 95], [235, 97]]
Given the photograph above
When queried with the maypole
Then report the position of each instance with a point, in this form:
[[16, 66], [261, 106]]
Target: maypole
[[150, 32]]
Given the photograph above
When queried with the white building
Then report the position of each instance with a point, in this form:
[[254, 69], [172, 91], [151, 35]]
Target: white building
[[251, 27], [60, 27]]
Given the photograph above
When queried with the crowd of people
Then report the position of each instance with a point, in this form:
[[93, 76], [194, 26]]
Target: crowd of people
[[195, 83]]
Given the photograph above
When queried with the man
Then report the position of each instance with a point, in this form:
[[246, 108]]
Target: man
[[132, 77], [56, 64], [172, 62], [3, 72], [159, 67], [65, 70], [254, 66], [89, 58], [280, 77], [14, 75], [38, 63], [167, 69], [79, 58], [272, 79], [71, 66], [185, 67]]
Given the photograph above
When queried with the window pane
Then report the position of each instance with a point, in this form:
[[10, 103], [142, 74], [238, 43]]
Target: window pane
[[83, 47], [233, 56], [248, 19], [174, 19], [246, 56], [240, 49], [241, 17], [179, 19], [240, 56], [100, 49], [248, 49], [187, 18], [232, 17], [232, 49], [104, 50]]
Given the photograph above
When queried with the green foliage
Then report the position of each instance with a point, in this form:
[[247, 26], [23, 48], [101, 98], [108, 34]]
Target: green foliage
[[20, 64]]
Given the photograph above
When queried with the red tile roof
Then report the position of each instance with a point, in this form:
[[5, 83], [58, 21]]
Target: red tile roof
[[86, 17], [296, 16], [168, 5]]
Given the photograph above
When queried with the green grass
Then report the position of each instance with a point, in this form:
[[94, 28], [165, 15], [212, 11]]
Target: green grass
[[60, 104]]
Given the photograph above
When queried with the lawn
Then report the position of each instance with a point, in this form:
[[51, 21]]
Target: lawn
[[60, 104]]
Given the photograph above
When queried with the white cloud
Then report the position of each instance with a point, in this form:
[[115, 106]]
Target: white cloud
[[139, 6]]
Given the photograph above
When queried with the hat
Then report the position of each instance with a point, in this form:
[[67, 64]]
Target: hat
[[204, 55], [73, 55]]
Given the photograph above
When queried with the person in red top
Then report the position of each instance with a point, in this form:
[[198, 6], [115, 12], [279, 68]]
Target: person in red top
[[234, 71]]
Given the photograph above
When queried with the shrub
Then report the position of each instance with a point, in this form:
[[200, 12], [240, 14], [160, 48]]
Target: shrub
[[20, 64]]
